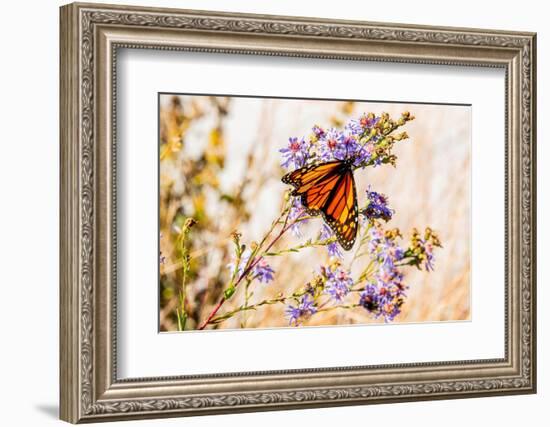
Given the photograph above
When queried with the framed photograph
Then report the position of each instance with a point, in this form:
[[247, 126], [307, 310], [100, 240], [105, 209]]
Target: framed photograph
[[267, 212]]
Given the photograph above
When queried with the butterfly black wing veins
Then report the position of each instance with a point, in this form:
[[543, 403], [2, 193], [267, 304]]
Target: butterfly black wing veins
[[329, 189]]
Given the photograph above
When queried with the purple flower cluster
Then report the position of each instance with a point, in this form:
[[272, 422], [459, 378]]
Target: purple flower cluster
[[263, 271], [383, 299], [365, 141], [356, 141], [384, 295], [377, 207], [338, 282], [305, 309], [343, 145], [333, 248], [363, 125]]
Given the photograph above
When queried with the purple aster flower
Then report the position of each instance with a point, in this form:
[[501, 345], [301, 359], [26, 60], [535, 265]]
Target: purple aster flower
[[384, 249], [389, 277], [263, 271], [361, 151], [379, 305], [354, 128], [383, 299], [362, 155], [362, 126], [338, 284], [305, 309], [333, 248], [377, 207], [368, 121], [332, 146], [318, 131], [349, 144], [337, 145], [370, 298], [295, 154], [351, 149]]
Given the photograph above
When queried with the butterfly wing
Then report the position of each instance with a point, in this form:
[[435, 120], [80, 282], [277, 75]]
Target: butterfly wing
[[340, 210], [329, 189], [313, 184]]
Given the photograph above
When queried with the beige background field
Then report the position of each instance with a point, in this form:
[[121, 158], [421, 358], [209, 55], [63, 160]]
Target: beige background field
[[230, 146]]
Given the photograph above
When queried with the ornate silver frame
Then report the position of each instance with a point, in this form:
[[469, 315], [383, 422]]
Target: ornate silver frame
[[90, 36]]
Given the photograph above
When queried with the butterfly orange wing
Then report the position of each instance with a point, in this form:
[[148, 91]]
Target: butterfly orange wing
[[329, 189]]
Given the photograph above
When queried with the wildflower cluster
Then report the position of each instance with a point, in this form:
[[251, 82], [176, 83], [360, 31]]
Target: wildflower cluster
[[378, 289], [384, 292], [366, 141], [377, 207], [296, 314], [338, 282]]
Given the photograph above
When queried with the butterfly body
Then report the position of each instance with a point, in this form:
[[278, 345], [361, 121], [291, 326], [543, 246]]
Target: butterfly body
[[328, 189]]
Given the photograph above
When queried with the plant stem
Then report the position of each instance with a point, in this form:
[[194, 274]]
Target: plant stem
[[253, 261], [334, 307], [308, 244], [246, 299], [362, 241], [181, 311], [272, 301]]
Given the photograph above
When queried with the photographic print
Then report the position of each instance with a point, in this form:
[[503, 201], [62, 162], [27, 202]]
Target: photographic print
[[359, 198], [282, 212]]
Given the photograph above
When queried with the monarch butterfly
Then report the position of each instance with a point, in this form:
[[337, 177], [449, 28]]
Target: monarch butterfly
[[329, 189]]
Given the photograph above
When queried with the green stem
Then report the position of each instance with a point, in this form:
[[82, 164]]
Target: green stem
[[308, 244], [181, 310], [362, 241], [334, 307], [246, 300], [272, 301]]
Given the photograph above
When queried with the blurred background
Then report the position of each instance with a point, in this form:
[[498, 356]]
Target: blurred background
[[220, 164]]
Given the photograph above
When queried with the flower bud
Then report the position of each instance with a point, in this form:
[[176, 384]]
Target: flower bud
[[190, 222], [236, 236]]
